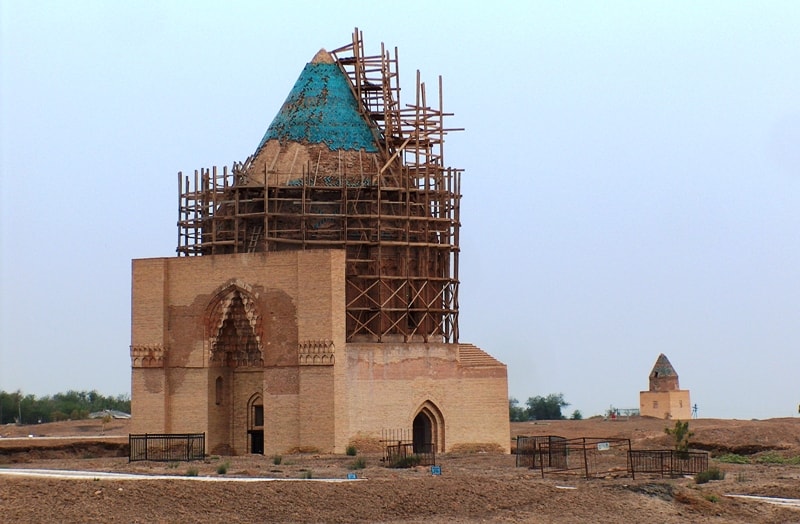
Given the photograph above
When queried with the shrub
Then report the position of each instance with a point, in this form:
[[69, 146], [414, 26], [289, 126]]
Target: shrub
[[307, 474], [775, 458], [191, 472], [351, 451], [276, 459], [709, 474], [681, 434], [358, 463], [222, 468], [409, 461], [733, 458]]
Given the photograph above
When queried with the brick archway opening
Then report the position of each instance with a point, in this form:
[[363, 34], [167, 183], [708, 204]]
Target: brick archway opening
[[255, 425], [427, 429]]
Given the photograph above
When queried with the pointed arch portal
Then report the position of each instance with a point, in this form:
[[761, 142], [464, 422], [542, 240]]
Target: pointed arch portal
[[427, 429], [234, 331], [255, 425], [235, 328]]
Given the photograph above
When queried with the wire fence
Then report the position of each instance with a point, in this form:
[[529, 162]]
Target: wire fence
[[668, 462], [400, 450], [528, 455], [167, 447], [603, 457], [584, 456]]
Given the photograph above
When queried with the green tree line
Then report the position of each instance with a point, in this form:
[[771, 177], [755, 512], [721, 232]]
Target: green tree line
[[540, 408], [72, 405]]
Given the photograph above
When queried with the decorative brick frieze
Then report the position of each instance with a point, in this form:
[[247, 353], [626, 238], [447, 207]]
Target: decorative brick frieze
[[148, 356], [316, 353]]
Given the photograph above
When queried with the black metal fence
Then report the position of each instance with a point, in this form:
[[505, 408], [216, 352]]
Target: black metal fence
[[585, 456], [667, 462], [167, 447], [406, 454], [528, 455]]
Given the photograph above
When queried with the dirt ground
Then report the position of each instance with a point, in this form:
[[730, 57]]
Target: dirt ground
[[473, 487]]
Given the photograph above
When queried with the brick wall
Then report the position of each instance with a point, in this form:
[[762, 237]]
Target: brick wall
[[665, 404], [317, 390], [387, 384], [295, 294]]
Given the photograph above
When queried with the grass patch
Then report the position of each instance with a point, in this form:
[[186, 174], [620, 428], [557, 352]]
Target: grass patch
[[358, 463], [409, 461], [711, 473], [775, 458], [222, 468], [733, 458], [191, 472], [712, 498], [307, 474], [351, 451], [172, 465]]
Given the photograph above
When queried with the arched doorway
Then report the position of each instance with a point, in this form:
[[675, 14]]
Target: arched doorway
[[235, 358], [423, 434], [255, 425], [427, 429]]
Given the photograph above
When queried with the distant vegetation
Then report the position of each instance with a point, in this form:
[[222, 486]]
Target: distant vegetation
[[681, 435], [540, 408], [72, 405]]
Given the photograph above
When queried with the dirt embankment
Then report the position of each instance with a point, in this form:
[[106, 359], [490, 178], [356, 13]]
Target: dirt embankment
[[477, 487]]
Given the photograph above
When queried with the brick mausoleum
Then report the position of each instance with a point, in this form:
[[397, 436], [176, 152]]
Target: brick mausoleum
[[314, 299], [665, 398]]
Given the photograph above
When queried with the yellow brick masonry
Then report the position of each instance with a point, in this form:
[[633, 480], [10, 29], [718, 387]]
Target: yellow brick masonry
[[300, 297], [674, 404]]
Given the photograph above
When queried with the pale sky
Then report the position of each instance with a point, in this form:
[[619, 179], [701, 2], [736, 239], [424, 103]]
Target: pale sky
[[631, 184]]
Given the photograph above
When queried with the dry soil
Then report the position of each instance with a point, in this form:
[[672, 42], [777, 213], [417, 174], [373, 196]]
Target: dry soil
[[473, 487]]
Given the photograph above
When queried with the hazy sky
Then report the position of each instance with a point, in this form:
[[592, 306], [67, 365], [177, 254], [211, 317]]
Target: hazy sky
[[631, 185]]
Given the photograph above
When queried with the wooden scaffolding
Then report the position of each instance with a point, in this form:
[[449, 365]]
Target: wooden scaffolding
[[397, 219]]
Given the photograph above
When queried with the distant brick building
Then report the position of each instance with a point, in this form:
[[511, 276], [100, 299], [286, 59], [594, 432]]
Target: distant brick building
[[665, 399], [315, 299]]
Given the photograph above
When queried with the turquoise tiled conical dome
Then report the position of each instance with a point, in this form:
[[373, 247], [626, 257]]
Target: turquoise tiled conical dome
[[321, 109]]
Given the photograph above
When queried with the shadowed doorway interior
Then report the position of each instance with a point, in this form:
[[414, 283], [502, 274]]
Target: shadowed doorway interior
[[255, 430]]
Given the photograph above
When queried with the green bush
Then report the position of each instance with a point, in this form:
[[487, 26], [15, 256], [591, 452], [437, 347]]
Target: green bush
[[775, 458], [358, 463], [733, 458], [276, 459], [409, 461], [222, 468], [351, 451], [191, 472], [709, 474], [681, 434]]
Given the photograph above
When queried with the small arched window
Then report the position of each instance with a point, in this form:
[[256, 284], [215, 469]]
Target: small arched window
[[218, 391]]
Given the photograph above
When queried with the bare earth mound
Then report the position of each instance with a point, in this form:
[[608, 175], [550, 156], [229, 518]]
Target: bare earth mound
[[479, 487]]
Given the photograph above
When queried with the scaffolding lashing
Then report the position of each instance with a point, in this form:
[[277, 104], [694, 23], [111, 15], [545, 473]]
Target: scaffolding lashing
[[396, 213]]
